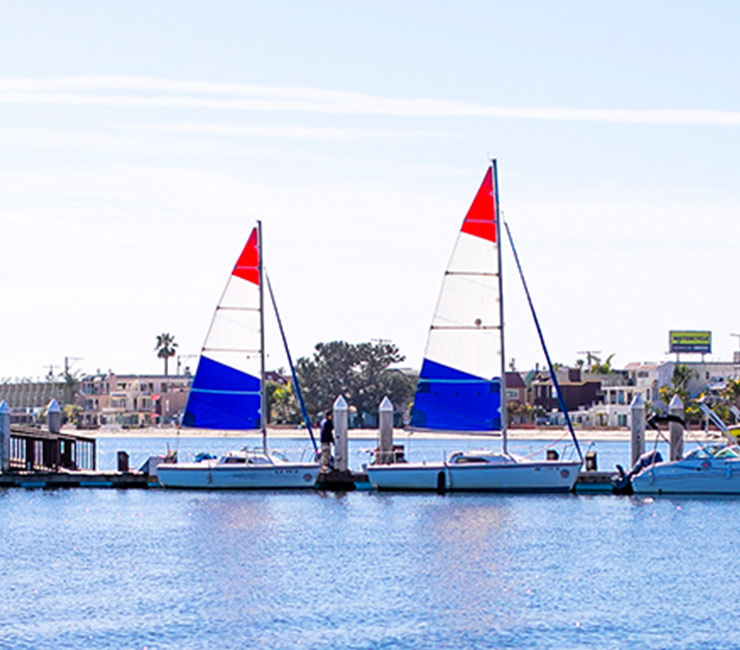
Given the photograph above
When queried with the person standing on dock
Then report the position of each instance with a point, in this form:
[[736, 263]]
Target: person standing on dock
[[327, 438]]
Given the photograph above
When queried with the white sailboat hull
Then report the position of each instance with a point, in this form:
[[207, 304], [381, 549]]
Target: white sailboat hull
[[520, 476], [706, 476], [214, 475]]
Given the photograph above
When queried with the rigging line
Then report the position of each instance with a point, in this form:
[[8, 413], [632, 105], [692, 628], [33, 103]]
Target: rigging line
[[227, 308], [465, 327], [299, 394], [473, 273], [558, 391]]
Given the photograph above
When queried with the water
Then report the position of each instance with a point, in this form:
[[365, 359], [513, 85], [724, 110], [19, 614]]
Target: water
[[176, 569]]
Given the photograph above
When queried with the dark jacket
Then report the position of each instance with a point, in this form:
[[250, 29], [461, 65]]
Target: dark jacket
[[327, 430]]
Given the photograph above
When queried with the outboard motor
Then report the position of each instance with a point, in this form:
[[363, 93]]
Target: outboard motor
[[622, 484]]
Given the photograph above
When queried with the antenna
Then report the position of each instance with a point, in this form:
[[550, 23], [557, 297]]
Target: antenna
[[67, 363], [183, 356], [50, 374]]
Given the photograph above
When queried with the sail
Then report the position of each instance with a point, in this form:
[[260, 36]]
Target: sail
[[459, 385], [225, 393]]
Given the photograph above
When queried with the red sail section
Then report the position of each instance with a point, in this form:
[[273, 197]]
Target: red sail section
[[248, 264], [480, 220]]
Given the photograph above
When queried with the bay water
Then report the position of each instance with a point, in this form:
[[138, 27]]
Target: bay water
[[86, 568]]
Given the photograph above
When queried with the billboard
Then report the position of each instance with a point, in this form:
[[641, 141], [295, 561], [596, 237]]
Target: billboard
[[690, 341]]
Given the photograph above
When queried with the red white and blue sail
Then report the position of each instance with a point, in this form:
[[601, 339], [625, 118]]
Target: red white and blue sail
[[459, 385], [225, 393]]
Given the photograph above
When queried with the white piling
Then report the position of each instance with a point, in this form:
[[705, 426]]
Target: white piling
[[385, 432], [637, 447], [676, 408], [54, 416], [4, 437], [341, 415]]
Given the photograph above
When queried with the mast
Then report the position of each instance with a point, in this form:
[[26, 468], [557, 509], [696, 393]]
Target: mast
[[263, 383], [497, 218]]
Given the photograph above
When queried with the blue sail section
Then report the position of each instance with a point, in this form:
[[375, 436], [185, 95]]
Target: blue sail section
[[451, 400], [222, 397]]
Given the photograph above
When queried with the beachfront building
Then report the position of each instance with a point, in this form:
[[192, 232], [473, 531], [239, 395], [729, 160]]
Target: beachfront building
[[711, 375], [28, 398], [579, 390], [131, 401]]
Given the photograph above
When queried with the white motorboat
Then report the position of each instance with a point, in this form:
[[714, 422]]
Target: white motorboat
[[708, 469], [462, 383], [228, 390]]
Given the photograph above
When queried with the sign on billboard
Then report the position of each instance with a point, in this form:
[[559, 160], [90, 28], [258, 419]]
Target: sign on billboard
[[690, 341]]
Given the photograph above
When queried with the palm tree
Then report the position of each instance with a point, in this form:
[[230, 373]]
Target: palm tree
[[71, 383], [165, 348], [599, 368]]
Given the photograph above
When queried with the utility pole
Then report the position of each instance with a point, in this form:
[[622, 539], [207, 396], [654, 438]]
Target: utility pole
[[590, 356], [67, 364]]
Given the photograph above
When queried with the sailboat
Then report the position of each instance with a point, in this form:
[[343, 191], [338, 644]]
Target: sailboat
[[228, 390], [462, 383]]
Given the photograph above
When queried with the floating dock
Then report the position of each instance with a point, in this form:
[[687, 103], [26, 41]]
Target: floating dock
[[77, 479]]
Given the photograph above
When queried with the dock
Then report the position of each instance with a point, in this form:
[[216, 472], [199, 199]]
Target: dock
[[594, 482], [342, 481], [76, 479]]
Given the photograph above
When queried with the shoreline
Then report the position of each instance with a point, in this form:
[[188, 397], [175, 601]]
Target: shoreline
[[585, 435]]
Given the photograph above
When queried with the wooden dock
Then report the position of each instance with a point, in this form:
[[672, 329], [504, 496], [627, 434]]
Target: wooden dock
[[76, 479], [594, 482], [332, 481], [338, 481]]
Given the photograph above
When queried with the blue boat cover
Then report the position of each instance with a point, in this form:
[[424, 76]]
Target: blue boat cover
[[222, 397], [452, 400]]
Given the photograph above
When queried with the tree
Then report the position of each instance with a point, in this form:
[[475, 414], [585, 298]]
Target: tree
[[284, 407], [71, 385], [682, 374], [360, 372], [598, 368], [731, 391], [165, 348]]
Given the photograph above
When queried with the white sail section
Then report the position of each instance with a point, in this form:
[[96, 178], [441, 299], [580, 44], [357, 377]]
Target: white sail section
[[465, 334], [234, 336]]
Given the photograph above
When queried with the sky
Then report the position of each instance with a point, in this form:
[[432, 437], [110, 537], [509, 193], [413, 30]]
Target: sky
[[140, 142]]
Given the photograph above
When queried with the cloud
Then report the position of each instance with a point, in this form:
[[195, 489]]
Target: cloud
[[257, 130], [155, 92]]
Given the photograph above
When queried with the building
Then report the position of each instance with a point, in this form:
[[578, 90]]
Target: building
[[131, 400], [579, 390]]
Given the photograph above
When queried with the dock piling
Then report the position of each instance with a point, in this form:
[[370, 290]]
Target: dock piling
[[385, 432], [341, 415], [54, 416], [637, 447], [4, 437], [676, 430]]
